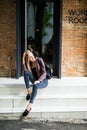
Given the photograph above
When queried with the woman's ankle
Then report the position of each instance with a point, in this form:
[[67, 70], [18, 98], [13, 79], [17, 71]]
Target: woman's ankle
[[28, 106], [28, 91]]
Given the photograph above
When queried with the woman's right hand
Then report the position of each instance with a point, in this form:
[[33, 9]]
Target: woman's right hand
[[37, 82]]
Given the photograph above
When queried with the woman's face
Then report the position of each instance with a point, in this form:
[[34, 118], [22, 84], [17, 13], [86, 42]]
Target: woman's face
[[31, 56]]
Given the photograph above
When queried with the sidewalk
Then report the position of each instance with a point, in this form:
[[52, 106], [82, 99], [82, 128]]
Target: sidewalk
[[40, 125]]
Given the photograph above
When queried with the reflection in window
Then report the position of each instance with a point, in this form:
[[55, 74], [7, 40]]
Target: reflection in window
[[40, 28]]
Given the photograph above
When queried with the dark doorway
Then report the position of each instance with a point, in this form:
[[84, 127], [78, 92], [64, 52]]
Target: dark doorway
[[40, 28], [44, 28]]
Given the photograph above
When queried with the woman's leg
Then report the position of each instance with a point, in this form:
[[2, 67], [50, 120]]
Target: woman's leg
[[43, 84], [28, 77]]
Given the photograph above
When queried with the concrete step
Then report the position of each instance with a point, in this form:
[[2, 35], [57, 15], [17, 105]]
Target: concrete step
[[64, 95], [17, 104], [65, 87]]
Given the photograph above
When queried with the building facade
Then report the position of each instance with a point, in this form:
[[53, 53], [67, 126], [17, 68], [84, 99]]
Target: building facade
[[70, 37]]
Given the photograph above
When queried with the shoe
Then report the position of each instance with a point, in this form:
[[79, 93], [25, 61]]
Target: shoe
[[26, 112], [28, 97]]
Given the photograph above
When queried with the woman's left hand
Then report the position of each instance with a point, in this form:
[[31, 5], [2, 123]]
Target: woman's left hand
[[37, 82]]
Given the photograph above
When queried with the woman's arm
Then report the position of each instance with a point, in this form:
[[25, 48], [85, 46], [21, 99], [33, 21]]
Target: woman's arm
[[23, 61], [43, 70]]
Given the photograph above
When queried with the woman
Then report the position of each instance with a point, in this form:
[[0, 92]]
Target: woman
[[34, 72]]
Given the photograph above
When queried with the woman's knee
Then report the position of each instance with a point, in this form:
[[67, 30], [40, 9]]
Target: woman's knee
[[35, 86]]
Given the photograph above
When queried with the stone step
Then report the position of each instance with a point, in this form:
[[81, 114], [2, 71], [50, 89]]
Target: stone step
[[65, 95], [65, 87], [16, 103]]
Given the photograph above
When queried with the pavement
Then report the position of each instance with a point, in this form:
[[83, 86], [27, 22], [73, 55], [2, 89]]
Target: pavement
[[39, 125]]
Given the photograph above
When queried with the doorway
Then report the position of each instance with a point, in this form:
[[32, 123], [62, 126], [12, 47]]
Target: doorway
[[40, 28], [43, 26]]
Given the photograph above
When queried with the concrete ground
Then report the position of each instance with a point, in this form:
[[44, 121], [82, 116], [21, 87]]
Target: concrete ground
[[39, 125]]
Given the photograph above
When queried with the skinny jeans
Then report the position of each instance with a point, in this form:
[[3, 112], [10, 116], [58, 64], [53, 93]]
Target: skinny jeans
[[28, 77]]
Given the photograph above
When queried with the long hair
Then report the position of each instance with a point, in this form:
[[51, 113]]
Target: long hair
[[26, 59]]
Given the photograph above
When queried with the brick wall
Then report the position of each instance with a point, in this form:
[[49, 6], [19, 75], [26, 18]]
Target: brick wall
[[74, 38], [7, 38]]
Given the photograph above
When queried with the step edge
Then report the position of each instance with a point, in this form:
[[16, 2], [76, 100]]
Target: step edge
[[44, 96], [45, 109]]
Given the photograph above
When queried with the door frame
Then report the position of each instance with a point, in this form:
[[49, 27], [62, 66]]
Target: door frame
[[57, 50]]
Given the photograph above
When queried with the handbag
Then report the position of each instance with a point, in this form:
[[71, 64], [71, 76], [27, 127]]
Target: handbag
[[48, 71]]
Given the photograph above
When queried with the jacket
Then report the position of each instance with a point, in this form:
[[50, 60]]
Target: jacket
[[40, 68]]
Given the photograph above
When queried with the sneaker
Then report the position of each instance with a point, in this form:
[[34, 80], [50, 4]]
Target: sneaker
[[28, 97]]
